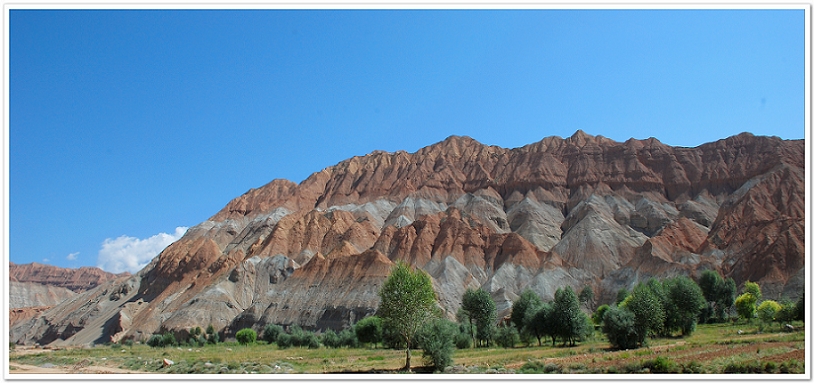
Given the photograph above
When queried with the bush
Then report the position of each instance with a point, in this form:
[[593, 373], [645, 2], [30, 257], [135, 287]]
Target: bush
[[155, 341], [271, 331], [599, 314], [619, 325], [800, 307], [246, 336], [310, 340], [347, 338], [745, 306], [330, 339], [369, 330], [507, 336], [168, 340], [463, 340], [767, 310], [284, 340], [128, 342], [437, 340], [661, 365]]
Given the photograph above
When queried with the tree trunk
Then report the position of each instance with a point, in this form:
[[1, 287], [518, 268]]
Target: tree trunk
[[407, 366]]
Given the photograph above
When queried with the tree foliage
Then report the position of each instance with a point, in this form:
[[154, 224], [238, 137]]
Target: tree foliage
[[745, 306], [246, 336], [754, 289], [528, 300], [685, 302], [507, 336], [538, 322], [271, 331], [767, 310], [568, 322], [647, 309], [407, 301], [586, 296], [369, 330], [437, 340], [482, 313], [619, 325]]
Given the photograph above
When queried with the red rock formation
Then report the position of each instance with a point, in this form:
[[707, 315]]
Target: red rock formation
[[78, 280], [575, 211]]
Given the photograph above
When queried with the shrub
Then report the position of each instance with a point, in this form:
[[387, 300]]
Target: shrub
[[767, 310], [330, 339], [619, 325], [128, 342], [168, 340], [310, 340], [507, 336], [661, 365], [648, 311], [800, 307], [463, 340], [271, 331], [369, 330], [599, 314], [246, 336], [156, 341], [437, 340], [347, 338], [745, 306], [284, 340], [786, 313]]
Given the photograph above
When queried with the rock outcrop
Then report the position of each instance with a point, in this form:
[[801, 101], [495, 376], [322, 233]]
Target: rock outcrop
[[578, 211], [76, 280]]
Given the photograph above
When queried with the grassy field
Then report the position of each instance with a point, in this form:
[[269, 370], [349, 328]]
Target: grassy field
[[712, 349]]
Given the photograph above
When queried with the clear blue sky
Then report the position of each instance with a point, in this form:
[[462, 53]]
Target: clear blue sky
[[127, 124]]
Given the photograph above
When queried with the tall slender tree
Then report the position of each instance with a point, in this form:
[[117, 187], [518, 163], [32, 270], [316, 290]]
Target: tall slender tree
[[407, 302]]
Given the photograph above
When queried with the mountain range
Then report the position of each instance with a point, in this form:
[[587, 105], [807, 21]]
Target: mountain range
[[578, 211]]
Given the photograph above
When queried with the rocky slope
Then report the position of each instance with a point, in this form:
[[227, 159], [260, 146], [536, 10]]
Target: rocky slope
[[578, 211], [76, 280]]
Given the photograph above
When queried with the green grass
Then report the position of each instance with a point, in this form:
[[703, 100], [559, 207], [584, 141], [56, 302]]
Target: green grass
[[592, 356]]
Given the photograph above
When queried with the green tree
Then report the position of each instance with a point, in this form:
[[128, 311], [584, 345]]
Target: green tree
[[621, 295], [212, 336], [619, 325], [800, 307], [745, 306], [786, 312], [271, 331], [407, 301], [767, 310], [330, 339], [647, 310], [754, 289], [347, 338], [528, 300], [569, 322], [437, 340], [246, 336], [599, 314], [686, 300], [507, 335], [480, 309], [538, 322], [369, 330], [586, 296]]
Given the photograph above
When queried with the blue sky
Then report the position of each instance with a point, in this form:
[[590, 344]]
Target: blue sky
[[125, 125]]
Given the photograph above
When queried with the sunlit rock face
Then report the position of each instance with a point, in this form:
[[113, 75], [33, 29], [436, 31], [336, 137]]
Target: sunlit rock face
[[580, 211]]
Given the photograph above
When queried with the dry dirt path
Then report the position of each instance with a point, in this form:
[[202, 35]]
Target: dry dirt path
[[74, 369]]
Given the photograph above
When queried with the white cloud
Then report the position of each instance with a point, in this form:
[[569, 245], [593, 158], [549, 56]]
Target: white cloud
[[46, 260], [132, 254], [72, 256]]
